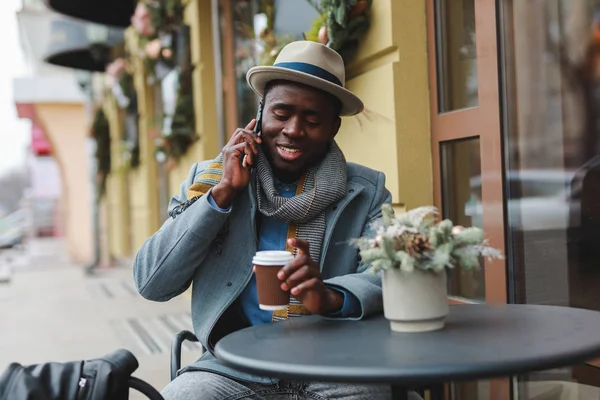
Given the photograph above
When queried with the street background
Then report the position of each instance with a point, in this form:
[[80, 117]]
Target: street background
[[52, 311], [489, 110]]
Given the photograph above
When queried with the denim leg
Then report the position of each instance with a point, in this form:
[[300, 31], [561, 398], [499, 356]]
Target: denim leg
[[201, 385], [335, 391]]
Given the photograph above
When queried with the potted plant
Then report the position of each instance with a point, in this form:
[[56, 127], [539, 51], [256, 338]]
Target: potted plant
[[414, 250]]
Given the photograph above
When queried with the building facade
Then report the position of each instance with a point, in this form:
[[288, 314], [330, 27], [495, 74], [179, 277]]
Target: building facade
[[52, 100], [485, 108]]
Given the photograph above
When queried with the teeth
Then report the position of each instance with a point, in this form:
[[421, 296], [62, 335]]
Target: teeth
[[288, 150]]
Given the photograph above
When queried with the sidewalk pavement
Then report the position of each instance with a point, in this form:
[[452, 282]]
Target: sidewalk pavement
[[51, 311]]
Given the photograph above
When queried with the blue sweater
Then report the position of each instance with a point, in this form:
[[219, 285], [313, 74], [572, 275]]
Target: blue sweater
[[272, 236]]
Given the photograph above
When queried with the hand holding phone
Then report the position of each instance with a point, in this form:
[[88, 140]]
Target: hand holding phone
[[238, 160]]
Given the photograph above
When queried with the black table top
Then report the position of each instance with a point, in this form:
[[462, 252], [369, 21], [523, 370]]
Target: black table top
[[479, 341]]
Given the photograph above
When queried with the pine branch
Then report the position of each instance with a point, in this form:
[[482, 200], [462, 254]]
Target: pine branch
[[415, 240]]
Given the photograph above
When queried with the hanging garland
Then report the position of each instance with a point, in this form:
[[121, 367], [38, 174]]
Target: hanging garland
[[166, 15], [178, 133], [131, 140], [157, 23], [120, 81], [165, 42], [178, 130], [340, 25], [142, 23], [101, 134]]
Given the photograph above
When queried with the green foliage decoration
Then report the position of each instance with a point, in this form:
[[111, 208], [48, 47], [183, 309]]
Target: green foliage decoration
[[418, 240], [344, 22]]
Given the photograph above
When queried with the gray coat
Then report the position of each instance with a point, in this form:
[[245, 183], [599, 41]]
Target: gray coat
[[213, 250]]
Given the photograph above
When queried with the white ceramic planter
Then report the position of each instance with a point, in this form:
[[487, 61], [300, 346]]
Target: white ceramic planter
[[415, 301]]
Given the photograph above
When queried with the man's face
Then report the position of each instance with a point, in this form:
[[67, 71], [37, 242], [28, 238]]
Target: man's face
[[298, 124]]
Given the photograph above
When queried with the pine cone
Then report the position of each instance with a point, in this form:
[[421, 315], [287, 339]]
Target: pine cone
[[399, 242], [417, 245]]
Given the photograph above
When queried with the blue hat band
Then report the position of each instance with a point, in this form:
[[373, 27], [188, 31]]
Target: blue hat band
[[311, 70]]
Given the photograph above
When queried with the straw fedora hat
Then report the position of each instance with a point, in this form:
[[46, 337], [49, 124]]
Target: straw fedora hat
[[312, 64]]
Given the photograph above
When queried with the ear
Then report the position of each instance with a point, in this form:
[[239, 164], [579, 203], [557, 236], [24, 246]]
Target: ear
[[336, 127]]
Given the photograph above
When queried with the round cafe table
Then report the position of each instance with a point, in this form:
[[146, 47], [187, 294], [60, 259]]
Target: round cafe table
[[478, 342]]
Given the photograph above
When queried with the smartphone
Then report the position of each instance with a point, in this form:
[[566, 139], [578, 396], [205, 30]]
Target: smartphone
[[258, 126]]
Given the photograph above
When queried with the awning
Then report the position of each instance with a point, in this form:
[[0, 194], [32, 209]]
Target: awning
[[107, 12], [80, 45]]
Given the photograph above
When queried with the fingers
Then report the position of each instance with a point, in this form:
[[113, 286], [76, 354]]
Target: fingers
[[305, 287], [301, 275], [301, 268], [243, 136], [252, 124], [247, 160], [301, 281], [302, 262], [292, 266], [302, 246], [249, 155], [242, 152], [246, 135]]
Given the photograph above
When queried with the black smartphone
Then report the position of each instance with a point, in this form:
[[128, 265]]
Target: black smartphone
[[258, 126]]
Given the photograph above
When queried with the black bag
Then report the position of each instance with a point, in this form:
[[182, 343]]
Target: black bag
[[108, 377]]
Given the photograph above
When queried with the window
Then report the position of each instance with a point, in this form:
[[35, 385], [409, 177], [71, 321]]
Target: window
[[461, 202], [551, 58], [456, 54]]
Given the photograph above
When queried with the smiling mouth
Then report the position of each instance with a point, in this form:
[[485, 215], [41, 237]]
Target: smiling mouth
[[288, 153], [288, 150]]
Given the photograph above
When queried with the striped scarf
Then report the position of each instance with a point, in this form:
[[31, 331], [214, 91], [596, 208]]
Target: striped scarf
[[320, 187]]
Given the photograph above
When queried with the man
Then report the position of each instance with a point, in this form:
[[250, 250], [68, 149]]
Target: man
[[289, 187]]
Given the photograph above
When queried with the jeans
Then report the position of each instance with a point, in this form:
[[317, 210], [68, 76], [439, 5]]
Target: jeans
[[200, 385]]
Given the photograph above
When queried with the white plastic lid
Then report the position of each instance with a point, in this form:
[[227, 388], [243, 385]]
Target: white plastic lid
[[272, 257]]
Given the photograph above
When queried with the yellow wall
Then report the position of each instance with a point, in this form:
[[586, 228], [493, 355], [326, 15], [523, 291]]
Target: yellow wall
[[202, 53], [389, 74], [67, 129], [143, 181], [117, 192]]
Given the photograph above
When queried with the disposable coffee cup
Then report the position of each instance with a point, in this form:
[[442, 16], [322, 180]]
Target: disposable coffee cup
[[267, 264]]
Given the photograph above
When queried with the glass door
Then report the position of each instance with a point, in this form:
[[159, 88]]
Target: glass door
[[550, 57], [467, 149]]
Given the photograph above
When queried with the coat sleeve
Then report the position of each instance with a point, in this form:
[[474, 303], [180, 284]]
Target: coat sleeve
[[363, 284], [165, 264]]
